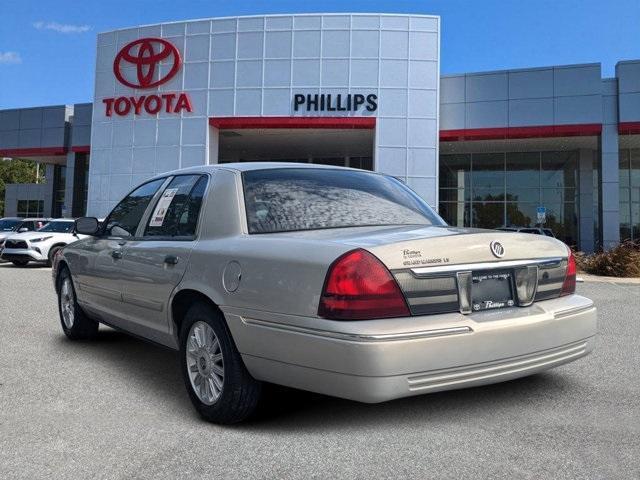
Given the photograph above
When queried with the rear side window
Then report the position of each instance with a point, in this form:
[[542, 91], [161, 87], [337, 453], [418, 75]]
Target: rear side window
[[125, 217], [290, 199], [177, 210]]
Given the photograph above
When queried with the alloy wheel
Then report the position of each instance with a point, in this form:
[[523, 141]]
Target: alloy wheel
[[67, 303], [205, 364]]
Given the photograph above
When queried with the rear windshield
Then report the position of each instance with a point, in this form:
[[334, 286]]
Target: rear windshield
[[291, 199], [8, 225], [59, 227]]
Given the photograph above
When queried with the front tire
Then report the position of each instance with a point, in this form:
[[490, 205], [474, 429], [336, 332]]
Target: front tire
[[75, 323], [219, 385]]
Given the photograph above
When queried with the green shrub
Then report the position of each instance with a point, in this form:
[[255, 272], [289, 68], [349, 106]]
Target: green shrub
[[621, 261]]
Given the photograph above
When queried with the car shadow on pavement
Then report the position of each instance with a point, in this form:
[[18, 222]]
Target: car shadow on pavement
[[285, 409]]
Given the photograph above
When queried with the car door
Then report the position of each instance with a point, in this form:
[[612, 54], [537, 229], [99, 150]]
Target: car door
[[157, 258], [97, 268]]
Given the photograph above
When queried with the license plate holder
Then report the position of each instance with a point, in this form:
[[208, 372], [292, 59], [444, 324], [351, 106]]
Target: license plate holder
[[491, 289]]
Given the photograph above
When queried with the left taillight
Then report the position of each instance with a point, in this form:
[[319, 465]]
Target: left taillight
[[569, 284], [359, 287]]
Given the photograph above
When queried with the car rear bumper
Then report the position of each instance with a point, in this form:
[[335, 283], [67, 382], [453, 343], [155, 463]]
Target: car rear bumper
[[17, 254], [374, 361]]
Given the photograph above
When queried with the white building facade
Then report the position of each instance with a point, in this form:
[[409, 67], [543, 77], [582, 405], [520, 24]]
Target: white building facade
[[353, 90]]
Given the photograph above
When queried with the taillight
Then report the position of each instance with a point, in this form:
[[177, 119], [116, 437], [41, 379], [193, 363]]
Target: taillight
[[569, 284], [359, 287]]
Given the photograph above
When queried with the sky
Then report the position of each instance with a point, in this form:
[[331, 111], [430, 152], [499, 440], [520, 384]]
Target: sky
[[47, 48]]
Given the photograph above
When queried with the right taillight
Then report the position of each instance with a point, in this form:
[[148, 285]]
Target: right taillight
[[359, 287], [569, 284]]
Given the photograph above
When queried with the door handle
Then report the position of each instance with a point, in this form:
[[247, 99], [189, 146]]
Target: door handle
[[116, 254], [171, 260]]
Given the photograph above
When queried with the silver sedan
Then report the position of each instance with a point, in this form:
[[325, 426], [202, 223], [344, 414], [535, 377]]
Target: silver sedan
[[333, 280]]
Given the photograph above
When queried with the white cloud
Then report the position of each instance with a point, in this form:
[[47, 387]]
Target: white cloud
[[61, 27], [10, 57]]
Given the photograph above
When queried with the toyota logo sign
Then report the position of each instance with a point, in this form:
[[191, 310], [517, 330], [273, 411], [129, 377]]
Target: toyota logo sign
[[146, 54], [138, 65], [497, 249]]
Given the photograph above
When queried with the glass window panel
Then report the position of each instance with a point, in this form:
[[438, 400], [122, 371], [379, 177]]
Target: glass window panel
[[635, 218], [482, 194], [559, 169], [180, 216], [623, 167], [524, 195], [125, 217], [634, 164], [488, 171], [457, 214], [521, 214], [523, 170], [455, 171], [33, 206], [558, 195], [454, 195], [488, 215], [562, 218]]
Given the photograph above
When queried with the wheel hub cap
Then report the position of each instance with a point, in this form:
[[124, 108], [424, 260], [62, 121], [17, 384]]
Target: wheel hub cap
[[67, 303], [205, 364]]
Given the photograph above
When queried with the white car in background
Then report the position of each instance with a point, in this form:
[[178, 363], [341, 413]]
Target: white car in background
[[40, 246]]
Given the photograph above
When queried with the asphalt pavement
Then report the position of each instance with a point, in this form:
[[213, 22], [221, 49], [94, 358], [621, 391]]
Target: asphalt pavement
[[117, 408]]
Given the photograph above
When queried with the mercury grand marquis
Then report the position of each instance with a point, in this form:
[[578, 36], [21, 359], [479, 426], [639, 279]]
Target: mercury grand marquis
[[332, 280]]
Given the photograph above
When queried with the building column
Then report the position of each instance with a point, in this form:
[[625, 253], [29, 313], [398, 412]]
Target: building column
[[610, 178], [48, 194], [214, 145], [68, 185], [585, 201]]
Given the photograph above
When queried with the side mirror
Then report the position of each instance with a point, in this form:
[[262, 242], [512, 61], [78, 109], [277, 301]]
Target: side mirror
[[87, 225], [23, 229]]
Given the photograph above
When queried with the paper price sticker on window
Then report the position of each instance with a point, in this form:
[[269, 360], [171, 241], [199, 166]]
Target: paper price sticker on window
[[157, 219]]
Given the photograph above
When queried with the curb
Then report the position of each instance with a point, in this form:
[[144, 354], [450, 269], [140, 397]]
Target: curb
[[587, 278]]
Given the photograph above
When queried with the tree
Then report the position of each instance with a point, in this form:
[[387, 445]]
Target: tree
[[17, 171]]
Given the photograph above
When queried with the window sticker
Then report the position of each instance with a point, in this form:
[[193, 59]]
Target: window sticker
[[157, 219]]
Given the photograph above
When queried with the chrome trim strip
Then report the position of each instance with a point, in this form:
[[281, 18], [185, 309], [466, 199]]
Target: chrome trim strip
[[500, 370], [501, 365], [427, 271], [464, 281], [357, 337], [572, 311]]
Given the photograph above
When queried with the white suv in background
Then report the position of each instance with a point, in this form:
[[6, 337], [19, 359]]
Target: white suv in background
[[40, 246]]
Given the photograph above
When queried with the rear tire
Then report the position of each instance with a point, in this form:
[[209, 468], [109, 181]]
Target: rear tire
[[219, 385], [76, 325], [20, 263]]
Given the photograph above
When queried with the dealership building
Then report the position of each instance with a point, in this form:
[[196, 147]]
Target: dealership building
[[555, 146]]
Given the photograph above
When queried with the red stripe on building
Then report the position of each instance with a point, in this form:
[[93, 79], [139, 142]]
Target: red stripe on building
[[629, 128], [508, 133], [293, 122], [33, 152], [81, 148]]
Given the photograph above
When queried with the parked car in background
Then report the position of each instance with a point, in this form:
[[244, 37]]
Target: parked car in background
[[39, 246], [334, 280], [12, 225], [535, 230]]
